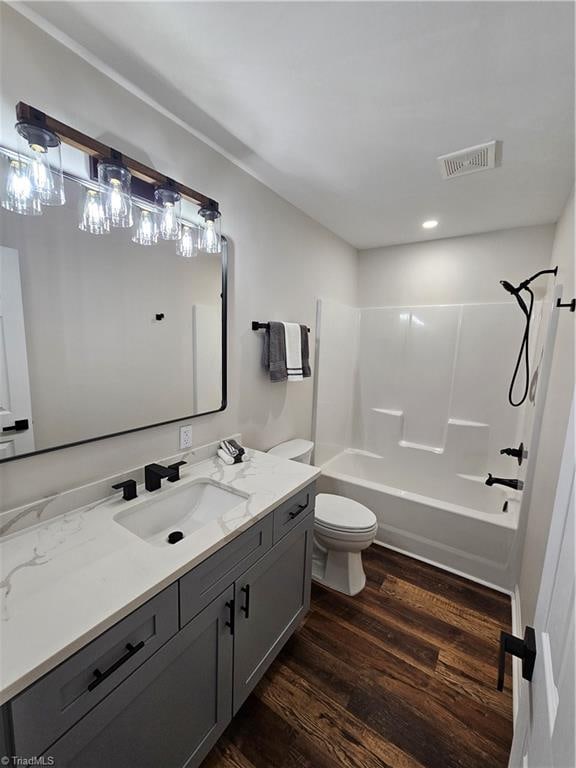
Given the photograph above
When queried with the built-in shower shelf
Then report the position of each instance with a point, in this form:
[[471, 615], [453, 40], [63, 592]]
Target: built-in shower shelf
[[420, 447], [465, 423], [473, 478]]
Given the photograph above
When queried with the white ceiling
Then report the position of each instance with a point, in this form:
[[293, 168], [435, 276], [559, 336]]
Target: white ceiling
[[343, 107]]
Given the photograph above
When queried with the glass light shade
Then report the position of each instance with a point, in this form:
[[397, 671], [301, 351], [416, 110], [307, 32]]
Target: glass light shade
[[169, 204], [210, 240], [146, 232], [115, 181], [17, 193], [40, 149], [92, 216], [187, 246]]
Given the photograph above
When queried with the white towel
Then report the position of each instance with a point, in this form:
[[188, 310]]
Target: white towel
[[227, 459], [223, 456], [293, 337]]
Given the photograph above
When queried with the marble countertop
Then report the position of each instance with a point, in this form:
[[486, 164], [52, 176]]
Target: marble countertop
[[66, 580]]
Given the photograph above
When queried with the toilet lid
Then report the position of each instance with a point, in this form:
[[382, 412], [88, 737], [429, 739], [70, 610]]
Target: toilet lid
[[292, 449], [342, 514]]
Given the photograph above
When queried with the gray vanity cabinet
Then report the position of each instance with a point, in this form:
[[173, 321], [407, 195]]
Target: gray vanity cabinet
[[159, 687], [271, 599], [170, 712]]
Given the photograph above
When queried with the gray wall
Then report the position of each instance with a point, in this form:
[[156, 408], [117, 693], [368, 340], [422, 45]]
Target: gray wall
[[457, 270], [281, 259]]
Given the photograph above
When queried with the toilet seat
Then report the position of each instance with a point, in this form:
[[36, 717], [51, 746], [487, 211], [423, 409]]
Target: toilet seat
[[350, 537], [339, 515]]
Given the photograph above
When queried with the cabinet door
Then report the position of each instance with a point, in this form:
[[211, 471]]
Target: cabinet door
[[170, 711], [271, 599]]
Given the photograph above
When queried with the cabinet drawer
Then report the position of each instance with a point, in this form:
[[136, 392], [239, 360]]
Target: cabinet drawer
[[169, 712], [292, 512], [210, 578], [56, 702]]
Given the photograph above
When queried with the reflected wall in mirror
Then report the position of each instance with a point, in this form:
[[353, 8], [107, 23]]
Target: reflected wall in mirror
[[99, 335]]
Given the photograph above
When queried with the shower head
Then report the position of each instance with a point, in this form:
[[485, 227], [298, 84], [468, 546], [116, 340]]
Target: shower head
[[525, 283], [509, 287]]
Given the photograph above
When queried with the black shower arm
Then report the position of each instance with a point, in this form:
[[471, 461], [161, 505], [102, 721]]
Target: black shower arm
[[525, 283]]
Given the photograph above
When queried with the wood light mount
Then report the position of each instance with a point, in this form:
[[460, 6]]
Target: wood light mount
[[144, 179]]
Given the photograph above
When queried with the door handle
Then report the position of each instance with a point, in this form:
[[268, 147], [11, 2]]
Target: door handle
[[246, 607], [20, 425], [230, 622], [524, 649]]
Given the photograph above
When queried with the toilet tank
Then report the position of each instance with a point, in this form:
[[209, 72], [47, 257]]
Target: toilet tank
[[297, 450]]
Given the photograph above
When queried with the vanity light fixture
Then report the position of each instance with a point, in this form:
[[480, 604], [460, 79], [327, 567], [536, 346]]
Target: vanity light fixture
[[169, 202], [429, 224], [146, 232], [92, 216], [187, 246], [39, 149], [210, 240], [17, 193], [115, 183], [33, 177]]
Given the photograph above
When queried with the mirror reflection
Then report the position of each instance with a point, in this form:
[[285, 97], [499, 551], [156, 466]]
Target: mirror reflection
[[100, 334]]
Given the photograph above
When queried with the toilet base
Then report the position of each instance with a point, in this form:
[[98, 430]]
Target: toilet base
[[342, 571]]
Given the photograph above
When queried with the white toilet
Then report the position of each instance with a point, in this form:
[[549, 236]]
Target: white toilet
[[342, 529]]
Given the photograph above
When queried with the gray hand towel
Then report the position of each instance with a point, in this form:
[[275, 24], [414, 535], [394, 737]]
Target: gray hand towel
[[306, 370], [274, 352]]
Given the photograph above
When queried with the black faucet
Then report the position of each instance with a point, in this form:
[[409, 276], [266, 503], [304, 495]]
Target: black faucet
[[517, 453], [154, 473], [518, 485], [128, 488]]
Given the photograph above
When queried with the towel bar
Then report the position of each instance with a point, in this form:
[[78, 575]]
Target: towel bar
[[256, 326]]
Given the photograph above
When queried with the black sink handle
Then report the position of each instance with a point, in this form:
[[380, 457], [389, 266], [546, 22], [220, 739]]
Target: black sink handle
[[176, 467]]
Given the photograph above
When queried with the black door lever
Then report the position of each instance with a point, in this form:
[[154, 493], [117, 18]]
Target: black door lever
[[523, 649], [20, 425]]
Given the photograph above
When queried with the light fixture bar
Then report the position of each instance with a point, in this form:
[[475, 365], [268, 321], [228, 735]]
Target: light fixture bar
[[99, 151]]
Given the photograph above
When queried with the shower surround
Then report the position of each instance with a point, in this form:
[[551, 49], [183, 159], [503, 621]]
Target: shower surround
[[411, 414]]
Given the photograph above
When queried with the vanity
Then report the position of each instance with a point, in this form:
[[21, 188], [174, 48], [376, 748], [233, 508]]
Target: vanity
[[134, 622], [158, 687]]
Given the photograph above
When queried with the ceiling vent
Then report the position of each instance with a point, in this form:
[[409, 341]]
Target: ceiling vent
[[470, 160]]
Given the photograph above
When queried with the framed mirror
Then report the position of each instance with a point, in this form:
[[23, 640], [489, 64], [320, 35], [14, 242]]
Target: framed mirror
[[100, 336]]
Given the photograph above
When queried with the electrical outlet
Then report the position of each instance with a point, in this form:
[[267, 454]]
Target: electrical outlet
[[186, 437]]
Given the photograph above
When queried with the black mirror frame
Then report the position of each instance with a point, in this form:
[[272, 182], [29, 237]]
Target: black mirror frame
[[224, 347]]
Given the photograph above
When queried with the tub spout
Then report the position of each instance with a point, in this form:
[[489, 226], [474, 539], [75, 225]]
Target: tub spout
[[518, 485]]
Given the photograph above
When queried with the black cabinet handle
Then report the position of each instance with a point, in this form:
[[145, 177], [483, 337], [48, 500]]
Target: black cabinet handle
[[298, 511], [523, 649], [101, 676], [230, 622], [246, 607]]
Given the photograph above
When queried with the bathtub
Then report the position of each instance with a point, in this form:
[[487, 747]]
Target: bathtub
[[458, 522]]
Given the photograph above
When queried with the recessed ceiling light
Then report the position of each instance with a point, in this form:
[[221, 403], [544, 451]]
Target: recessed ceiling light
[[430, 224]]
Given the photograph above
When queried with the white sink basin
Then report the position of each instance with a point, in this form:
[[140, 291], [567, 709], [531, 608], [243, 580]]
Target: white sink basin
[[182, 509]]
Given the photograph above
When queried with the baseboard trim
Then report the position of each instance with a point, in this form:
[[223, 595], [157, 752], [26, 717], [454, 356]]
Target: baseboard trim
[[443, 567]]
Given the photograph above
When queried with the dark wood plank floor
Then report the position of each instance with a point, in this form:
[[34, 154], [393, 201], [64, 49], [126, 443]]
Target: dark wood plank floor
[[402, 675]]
